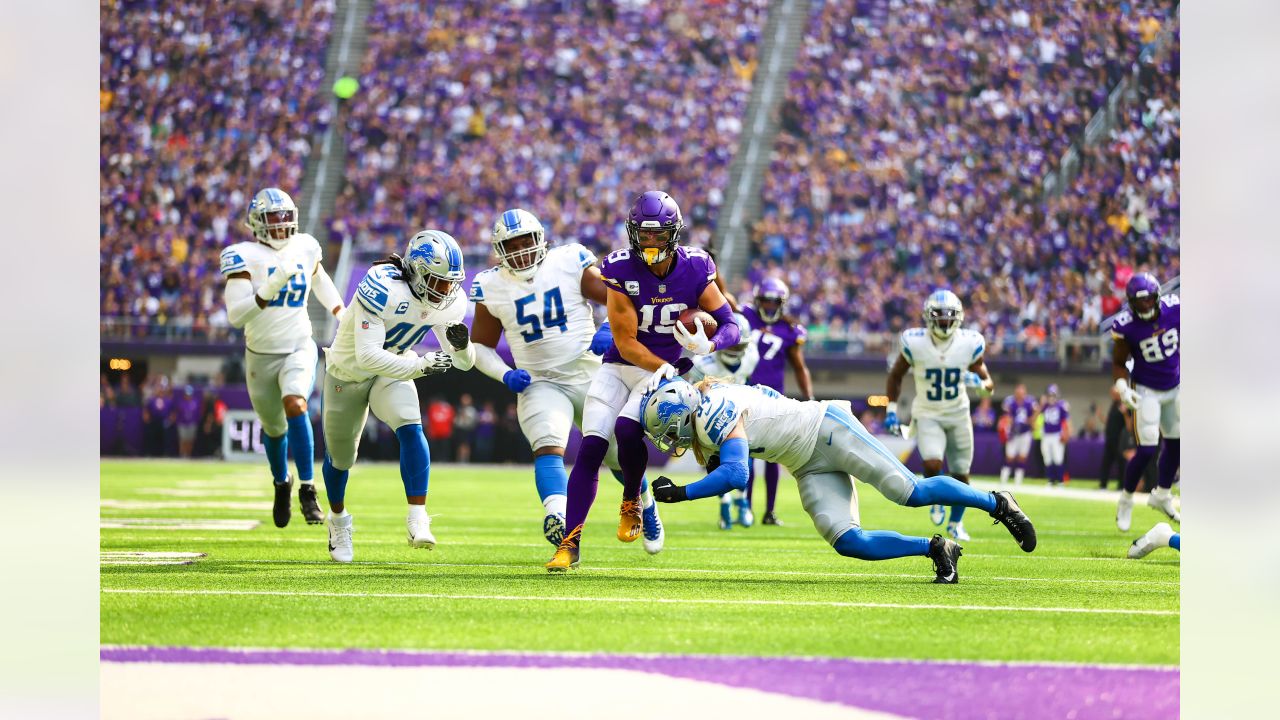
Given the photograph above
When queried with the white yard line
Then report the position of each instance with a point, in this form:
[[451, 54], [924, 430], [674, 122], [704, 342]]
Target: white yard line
[[110, 504], [168, 524]]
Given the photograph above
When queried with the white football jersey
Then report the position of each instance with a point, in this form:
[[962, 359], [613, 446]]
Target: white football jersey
[[712, 365], [283, 326], [547, 320], [939, 369], [383, 294], [779, 429]]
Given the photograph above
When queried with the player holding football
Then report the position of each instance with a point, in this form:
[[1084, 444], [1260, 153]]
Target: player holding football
[[649, 284], [268, 282], [945, 360], [1021, 410], [1149, 332], [822, 444], [780, 342], [538, 297], [372, 366], [1055, 434]]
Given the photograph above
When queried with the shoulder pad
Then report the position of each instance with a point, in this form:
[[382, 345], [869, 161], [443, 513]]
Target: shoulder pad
[[373, 292], [719, 414], [583, 257], [231, 261], [477, 284], [1124, 317]]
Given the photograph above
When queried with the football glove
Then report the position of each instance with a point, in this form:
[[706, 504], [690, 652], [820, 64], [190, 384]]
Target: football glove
[[516, 380], [276, 281], [665, 372], [602, 339], [891, 424], [666, 491], [695, 342], [457, 336], [434, 363], [975, 381], [1128, 395]]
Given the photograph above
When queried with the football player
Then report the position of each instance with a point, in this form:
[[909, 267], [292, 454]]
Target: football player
[[538, 297], [650, 283], [733, 364], [1021, 410], [822, 444], [946, 360], [1162, 535], [372, 366], [780, 341], [1056, 414], [1148, 332], [268, 282]]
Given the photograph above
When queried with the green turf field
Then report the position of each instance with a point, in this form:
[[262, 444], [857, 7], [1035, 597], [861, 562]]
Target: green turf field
[[757, 591]]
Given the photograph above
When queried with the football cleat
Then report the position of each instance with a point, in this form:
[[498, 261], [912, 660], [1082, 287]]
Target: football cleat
[[553, 528], [1124, 511], [726, 516], [282, 508], [419, 530], [1156, 537], [746, 518], [771, 519], [937, 514], [654, 535], [1161, 499], [1014, 520], [340, 548], [956, 531], [629, 521], [566, 556], [311, 511], [945, 555]]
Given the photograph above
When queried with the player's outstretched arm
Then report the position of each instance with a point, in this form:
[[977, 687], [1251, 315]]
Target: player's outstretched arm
[[485, 331], [325, 291], [730, 474]]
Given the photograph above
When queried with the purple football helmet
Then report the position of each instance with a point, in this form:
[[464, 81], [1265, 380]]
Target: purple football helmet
[[1052, 391], [771, 297], [1143, 291], [654, 215]]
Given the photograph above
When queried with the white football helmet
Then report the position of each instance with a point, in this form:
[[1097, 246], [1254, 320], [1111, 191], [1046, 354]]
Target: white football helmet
[[433, 268], [521, 262], [667, 414], [272, 217], [733, 355], [943, 314]]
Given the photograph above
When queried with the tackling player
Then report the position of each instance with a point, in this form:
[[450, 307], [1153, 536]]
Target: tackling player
[[649, 284], [945, 359], [372, 366], [780, 342], [1055, 434], [1020, 410], [822, 444], [538, 297], [1162, 535], [1148, 331], [268, 282]]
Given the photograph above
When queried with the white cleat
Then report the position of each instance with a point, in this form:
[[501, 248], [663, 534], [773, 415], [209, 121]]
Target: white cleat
[[956, 531], [420, 532], [340, 530], [1156, 537], [937, 514], [1124, 511], [1161, 499]]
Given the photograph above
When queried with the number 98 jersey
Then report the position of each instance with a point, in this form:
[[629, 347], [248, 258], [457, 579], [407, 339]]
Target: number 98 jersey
[[283, 325], [939, 369]]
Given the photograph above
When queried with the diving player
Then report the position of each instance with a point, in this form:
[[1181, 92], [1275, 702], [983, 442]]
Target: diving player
[[780, 341], [945, 360], [822, 445], [372, 366], [1021, 410], [1149, 332], [1056, 433], [268, 282], [649, 284], [1162, 535], [538, 297]]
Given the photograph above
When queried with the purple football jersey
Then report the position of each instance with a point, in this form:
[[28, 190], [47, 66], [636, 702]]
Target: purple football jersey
[[1055, 413], [1153, 344], [658, 301], [774, 342], [1021, 412]]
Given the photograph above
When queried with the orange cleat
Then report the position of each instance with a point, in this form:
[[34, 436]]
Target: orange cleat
[[566, 557], [630, 522]]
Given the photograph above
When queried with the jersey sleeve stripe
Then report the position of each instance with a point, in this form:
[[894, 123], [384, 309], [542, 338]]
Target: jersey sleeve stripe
[[977, 353]]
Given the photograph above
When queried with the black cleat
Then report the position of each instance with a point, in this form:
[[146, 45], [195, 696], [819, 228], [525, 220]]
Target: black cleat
[[1014, 520], [311, 511], [770, 519], [281, 509], [945, 553]]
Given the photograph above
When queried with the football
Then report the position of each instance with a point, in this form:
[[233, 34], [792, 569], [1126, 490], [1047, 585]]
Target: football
[[709, 323]]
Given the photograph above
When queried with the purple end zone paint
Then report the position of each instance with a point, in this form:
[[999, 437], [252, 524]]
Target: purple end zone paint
[[921, 689]]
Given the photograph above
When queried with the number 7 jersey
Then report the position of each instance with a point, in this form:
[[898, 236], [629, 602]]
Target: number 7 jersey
[[939, 369], [1153, 344]]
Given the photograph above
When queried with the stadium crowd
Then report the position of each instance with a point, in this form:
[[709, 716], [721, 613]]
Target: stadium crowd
[[198, 106]]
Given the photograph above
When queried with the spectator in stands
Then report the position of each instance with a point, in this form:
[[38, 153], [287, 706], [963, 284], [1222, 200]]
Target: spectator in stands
[[157, 416], [486, 429], [186, 414], [440, 419]]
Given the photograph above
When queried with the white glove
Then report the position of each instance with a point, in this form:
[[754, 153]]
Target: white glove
[[696, 342], [1128, 395], [434, 363], [975, 381], [666, 372], [276, 281]]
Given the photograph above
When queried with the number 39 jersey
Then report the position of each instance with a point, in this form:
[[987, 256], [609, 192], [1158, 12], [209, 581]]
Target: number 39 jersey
[[283, 325], [658, 301], [1153, 344], [547, 320], [939, 369]]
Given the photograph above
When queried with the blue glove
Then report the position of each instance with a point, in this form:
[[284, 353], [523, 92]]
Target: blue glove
[[891, 424], [516, 380], [602, 339]]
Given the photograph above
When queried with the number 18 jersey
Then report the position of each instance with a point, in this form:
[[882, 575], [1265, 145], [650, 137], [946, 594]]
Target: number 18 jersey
[[939, 369]]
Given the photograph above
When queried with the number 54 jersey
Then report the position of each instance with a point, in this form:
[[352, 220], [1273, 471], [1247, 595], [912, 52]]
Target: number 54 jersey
[[283, 325], [939, 370], [1153, 344]]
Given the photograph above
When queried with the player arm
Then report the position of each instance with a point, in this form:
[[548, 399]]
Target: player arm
[[485, 330], [795, 355], [242, 304], [371, 334], [593, 287], [624, 324], [1119, 356], [728, 296], [714, 302], [730, 474], [325, 291], [987, 385], [455, 340]]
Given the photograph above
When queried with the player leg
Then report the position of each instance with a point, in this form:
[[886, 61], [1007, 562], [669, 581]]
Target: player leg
[[297, 380], [395, 402], [346, 409], [633, 460], [1170, 456], [262, 375], [1010, 455], [771, 472], [1146, 425], [1157, 537], [959, 459], [545, 411], [931, 440], [651, 523], [1022, 448]]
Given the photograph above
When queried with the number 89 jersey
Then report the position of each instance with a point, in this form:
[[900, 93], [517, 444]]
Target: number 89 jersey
[[939, 369], [1153, 344], [283, 325], [547, 321]]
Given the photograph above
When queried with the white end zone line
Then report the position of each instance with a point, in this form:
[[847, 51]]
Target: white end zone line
[[629, 600]]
